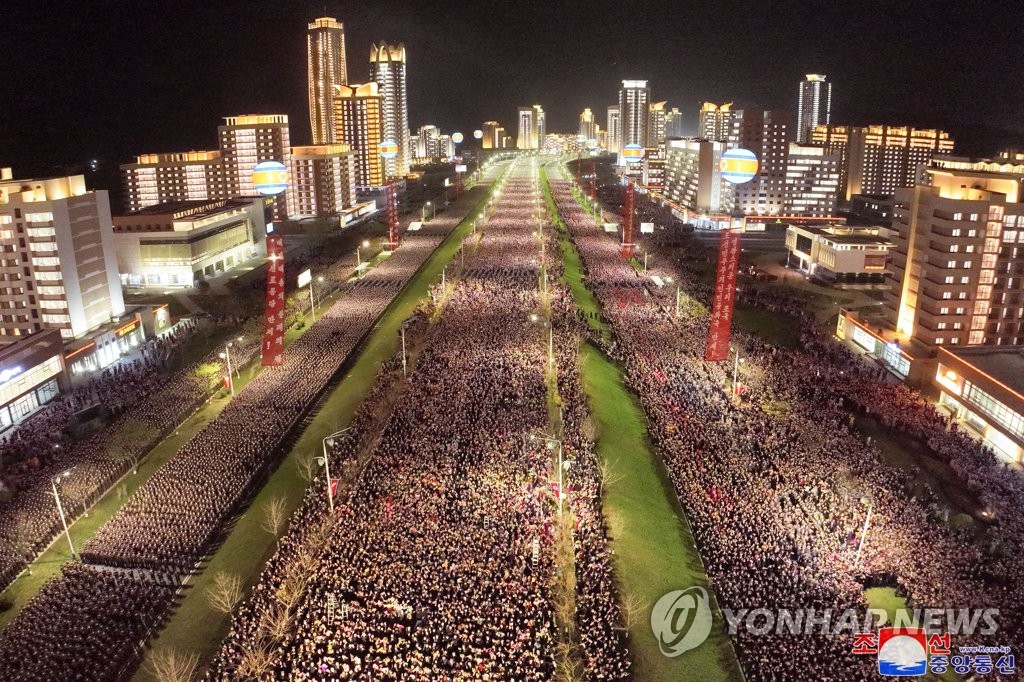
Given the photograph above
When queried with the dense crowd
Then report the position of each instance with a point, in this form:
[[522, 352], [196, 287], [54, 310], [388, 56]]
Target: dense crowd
[[439, 565], [778, 501], [180, 512]]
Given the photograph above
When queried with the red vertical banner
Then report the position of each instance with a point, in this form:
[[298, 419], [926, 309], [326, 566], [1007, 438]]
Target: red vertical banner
[[725, 295], [273, 322]]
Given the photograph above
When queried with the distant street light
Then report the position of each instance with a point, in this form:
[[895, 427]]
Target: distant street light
[[60, 509]]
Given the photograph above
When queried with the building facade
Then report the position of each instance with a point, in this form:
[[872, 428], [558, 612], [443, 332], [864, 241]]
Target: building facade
[[634, 115], [32, 374], [387, 69], [532, 127], [357, 114], [812, 182], [177, 244], [249, 140], [715, 121], [494, 134], [879, 159], [59, 268], [656, 124], [614, 131], [160, 178], [588, 127], [814, 105], [838, 253], [429, 143], [674, 124], [767, 135], [983, 389], [958, 267], [323, 180], [693, 178], [327, 69]]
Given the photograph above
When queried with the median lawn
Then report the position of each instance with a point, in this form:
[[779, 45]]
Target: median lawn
[[654, 548]]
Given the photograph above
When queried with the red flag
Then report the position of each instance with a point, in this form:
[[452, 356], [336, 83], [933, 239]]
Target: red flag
[[725, 294], [334, 486], [273, 322]]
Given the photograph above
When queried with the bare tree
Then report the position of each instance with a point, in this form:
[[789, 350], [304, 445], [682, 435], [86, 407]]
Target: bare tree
[[632, 608], [277, 621], [607, 477], [290, 591], [257, 657], [275, 514], [588, 428], [306, 463], [173, 665], [225, 593]]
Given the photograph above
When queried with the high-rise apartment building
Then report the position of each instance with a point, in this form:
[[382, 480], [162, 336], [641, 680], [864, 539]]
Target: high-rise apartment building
[[674, 124], [387, 68], [59, 268], [879, 159], [693, 180], [323, 180], [327, 69], [357, 115], [959, 260], [634, 114], [766, 133], [814, 107], [656, 122], [715, 121], [428, 146], [162, 178], [613, 133], [246, 141], [532, 127], [588, 127], [494, 135], [812, 181]]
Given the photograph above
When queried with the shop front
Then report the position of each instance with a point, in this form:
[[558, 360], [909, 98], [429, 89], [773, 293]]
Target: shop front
[[31, 375]]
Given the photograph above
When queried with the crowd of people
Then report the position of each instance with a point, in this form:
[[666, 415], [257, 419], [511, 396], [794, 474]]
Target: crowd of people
[[778, 501], [439, 564], [180, 512]]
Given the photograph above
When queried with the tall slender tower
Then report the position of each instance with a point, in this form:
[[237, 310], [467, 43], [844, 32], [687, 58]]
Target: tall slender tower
[[587, 124], [656, 124], [634, 101], [814, 107], [614, 128], [387, 69], [325, 54]]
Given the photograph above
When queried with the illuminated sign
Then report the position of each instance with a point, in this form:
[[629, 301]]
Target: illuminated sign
[[478, 134], [128, 328], [388, 149], [457, 138], [270, 178], [738, 166], [270, 227], [305, 277], [8, 374], [592, 144], [633, 153], [460, 169], [611, 227], [646, 228]]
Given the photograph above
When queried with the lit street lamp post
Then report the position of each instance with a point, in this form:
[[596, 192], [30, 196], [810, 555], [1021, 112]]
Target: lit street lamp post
[[326, 463], [60, 509], [227, 357], [551, 443], [736, 371], [863, 535]]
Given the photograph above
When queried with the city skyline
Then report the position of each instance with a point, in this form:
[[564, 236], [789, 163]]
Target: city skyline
[[169, 99]]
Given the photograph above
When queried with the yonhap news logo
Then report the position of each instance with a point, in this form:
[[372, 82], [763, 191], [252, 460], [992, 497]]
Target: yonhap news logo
[[681, 620]]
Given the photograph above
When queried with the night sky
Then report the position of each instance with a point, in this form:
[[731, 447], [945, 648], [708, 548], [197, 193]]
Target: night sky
[[98, 78]]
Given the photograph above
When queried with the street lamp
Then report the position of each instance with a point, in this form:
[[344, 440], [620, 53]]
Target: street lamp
[[325, 462], [226, 355], [365, 244], [864, 534], [550, 443], [60, 509], [403, 351], [736, 371]]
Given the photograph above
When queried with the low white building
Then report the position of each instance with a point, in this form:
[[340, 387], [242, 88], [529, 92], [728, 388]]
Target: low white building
[[177, 244], [839, 253]]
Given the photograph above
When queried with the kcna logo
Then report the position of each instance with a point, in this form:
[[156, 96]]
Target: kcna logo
[[681, 620]]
